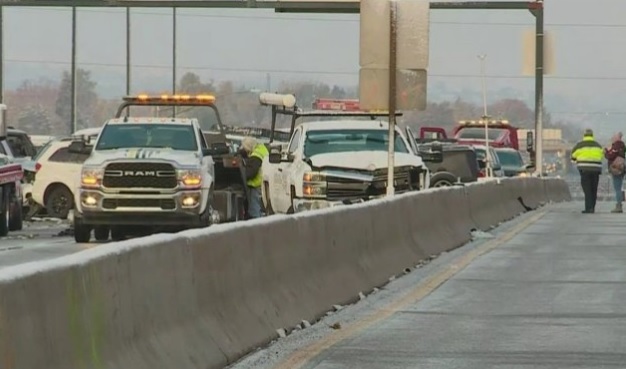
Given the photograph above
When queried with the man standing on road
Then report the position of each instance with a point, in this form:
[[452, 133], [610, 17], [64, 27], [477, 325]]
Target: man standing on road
[[588, 154], [253, 153]]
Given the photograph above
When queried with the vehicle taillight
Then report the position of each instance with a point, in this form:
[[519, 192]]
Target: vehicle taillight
[[37, 167]]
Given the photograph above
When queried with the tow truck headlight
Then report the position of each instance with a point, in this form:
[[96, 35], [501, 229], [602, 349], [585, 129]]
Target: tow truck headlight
[[314, 184], [90, 177], [89, 199], [190, 200], [190, 178]]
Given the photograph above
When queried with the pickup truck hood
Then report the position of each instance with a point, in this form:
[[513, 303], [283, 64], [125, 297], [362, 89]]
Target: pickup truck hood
[[181, 158], [363, 160]]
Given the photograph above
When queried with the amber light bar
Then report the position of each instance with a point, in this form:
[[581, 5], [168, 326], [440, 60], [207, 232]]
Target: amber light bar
[[171, 99]]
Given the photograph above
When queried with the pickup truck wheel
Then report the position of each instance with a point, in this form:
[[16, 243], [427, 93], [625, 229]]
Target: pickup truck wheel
[[59, 201], [4, 212], [117, 233], [442, 179], [101, 233], [15, 215], [82, 232]]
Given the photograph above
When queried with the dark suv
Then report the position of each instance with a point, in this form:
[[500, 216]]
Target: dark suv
[[17, 145], [459, 164]]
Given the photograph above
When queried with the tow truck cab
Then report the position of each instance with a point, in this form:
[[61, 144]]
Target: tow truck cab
[[156, 173], [472, 132]]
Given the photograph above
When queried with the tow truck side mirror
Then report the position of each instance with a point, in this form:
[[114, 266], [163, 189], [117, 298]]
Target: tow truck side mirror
[[216, 150], [530, 144], [275, 156], [79, 147]]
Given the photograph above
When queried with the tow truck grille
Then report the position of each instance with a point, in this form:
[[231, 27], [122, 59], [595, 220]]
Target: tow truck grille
[[346, 189], [164, 204], [139, 175]]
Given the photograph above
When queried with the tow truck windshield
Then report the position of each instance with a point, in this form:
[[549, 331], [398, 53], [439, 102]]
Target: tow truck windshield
[[479, 133], [334, 141], [167, 136]]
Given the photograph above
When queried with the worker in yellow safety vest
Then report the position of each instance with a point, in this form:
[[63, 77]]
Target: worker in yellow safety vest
[[588, 155], [253, 152]]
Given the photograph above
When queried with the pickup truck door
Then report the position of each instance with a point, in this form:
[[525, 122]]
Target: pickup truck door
[[286, 171], [206, 160], [411, 138]]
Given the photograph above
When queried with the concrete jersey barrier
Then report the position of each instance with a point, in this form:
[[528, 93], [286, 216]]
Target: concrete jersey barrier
[[204, 298]]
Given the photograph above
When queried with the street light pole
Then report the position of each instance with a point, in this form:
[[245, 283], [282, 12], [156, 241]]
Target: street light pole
[[485, 116]]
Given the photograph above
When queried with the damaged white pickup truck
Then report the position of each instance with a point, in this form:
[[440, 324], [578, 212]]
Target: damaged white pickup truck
[[337, 162]]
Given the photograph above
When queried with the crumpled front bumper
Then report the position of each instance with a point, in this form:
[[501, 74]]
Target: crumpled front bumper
[[300, 205]]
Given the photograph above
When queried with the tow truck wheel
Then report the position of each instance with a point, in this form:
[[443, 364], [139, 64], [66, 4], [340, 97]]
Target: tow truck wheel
[[4, 212], [117, 233], [15, 215], [101, 233], [82, 232]]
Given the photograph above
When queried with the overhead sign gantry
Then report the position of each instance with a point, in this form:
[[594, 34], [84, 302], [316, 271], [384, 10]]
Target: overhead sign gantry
[[536, 7]]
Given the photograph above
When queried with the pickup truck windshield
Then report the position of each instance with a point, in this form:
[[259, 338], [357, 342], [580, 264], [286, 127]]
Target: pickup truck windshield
[[510, 158], [170, 136], [333, 141]]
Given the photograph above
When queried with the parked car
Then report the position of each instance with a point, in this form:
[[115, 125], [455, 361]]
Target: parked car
[[17, 146], [57, 171], [496, 166], [512, 162]]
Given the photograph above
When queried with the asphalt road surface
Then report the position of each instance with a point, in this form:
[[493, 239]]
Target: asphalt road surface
[[39, 240], [547, 292]]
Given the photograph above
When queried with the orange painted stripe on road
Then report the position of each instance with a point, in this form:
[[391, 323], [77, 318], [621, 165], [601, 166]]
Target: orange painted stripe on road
[[304, 355]]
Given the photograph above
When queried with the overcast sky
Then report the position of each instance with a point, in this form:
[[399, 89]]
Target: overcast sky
[[245, 45]]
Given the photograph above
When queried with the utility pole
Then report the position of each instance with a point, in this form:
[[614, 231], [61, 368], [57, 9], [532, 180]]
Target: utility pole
[[128, 58], [483, 72], [539, 61], [128, 52], [173, 58], [73, 114], [393, 38]]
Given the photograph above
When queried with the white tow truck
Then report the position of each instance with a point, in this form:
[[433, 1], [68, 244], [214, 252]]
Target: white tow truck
[[154, 173], [11, 175], [335, 162]]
